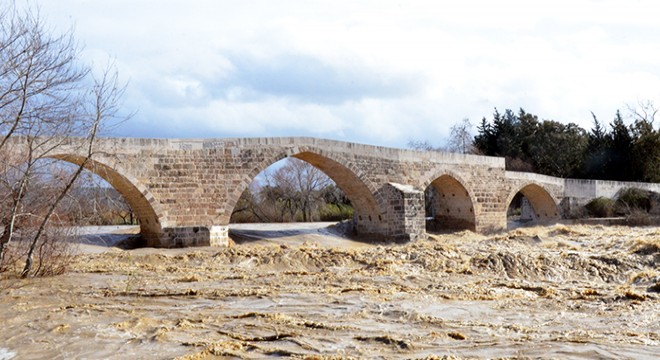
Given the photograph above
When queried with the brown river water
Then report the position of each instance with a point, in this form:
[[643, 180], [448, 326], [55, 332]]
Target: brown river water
[[565, 291]]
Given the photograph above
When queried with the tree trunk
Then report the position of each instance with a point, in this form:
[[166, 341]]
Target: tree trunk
[[51, 210]]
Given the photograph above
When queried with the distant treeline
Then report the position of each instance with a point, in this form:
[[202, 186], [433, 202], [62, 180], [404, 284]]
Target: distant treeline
[[610, 152]]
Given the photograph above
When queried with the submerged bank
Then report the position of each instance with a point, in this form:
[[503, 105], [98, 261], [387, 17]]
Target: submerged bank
[[561, 291]]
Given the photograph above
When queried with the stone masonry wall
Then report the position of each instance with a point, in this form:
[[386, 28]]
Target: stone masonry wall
[[184, 190], [196, 183], [405, 220]]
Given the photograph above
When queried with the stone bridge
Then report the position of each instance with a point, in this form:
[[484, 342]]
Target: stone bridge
[[183, 191]]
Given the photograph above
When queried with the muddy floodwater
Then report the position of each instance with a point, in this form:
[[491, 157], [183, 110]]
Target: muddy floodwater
[[565, 291]]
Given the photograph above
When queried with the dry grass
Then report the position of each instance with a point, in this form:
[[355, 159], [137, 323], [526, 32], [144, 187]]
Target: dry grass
[[646, 246]]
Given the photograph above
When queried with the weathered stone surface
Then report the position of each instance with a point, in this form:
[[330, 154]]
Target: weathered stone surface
[[184, 190]]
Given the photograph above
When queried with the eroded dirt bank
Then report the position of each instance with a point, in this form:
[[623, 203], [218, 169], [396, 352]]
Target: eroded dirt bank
[[555, 292]]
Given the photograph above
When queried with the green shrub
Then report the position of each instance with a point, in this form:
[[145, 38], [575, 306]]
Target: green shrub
[[600, 207], [338, 212], [631, 199], [513, 211]]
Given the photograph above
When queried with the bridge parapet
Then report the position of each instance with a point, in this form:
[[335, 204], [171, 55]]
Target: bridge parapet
[[539, 178], [589, 189], [580, 191]]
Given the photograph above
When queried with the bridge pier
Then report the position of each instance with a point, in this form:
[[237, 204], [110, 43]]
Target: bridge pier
[[406, 219], [185, 236]]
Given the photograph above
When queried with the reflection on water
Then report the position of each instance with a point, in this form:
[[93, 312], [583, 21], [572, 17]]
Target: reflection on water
[[557, 292]]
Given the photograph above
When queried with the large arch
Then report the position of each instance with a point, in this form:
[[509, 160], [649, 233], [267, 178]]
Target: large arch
[[360, 191], [451, 204], [544, 205], [147, 210], [355, 188]]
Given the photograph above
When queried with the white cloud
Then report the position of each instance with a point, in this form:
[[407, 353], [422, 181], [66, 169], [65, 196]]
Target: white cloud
[[380, 72]]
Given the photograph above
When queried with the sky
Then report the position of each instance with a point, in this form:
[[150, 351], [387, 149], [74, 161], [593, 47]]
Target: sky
[[374, 72]]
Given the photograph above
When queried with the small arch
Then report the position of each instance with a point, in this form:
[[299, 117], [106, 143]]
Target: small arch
[[537, 205], [147, 210], [448, 193]]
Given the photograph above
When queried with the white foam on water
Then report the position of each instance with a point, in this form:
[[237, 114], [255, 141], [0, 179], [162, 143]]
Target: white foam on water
[[6, 354]]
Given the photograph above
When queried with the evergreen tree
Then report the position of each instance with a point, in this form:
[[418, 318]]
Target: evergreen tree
[[624, 153], [485, 141], [596, 155], [646, 151], [620, 141]]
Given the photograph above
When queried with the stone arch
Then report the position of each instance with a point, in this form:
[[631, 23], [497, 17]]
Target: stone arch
[[346, 179], [453, 204], [147, 210], [234, 194], [544, 205], [359, 190]]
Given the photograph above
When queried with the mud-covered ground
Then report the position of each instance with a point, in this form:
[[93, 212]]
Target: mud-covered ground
[[548, 292]]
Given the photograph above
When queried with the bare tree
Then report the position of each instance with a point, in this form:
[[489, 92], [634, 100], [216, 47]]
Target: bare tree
[[46, 97], [423, 146], [460, 137], [460, 140], [296, 187], [643, 111], [250, 208]]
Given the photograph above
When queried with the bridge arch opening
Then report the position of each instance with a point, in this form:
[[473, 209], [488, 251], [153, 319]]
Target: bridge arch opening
[[141, 205], [449, 205], [531, 205], [330, 189]]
